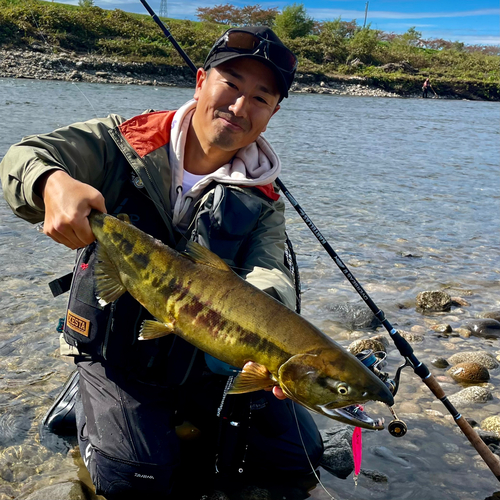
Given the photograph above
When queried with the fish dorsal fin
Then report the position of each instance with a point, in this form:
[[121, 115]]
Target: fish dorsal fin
[[124, 218], [202, 255], [253, 377], [109, 286]]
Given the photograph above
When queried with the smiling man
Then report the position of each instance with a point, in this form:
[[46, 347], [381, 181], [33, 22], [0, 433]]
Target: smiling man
[[150, 413]]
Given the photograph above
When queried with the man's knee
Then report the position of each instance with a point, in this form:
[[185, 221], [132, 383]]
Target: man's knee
[[118, 479]]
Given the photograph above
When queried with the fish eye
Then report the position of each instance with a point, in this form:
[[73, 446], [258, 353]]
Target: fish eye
[[342, 389]]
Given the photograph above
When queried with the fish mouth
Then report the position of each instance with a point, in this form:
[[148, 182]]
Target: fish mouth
[[353, 415]]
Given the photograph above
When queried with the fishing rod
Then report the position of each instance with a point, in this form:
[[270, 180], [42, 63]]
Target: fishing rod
[[396, 427]]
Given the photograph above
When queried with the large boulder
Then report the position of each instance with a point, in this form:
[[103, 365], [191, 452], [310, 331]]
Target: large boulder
[[337, 458]]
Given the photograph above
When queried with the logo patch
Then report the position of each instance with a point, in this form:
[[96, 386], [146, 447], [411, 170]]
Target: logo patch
[[78, 324]]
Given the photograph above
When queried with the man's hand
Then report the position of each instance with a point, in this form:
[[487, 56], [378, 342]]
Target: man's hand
[[68, 203], [277, 392]]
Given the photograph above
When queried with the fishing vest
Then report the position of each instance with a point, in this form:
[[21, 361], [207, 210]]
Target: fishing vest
[[224, 217]]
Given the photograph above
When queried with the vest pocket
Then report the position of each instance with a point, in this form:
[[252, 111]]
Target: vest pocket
[[87, 321]]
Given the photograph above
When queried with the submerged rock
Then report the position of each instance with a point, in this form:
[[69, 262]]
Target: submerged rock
[[469, 373], [61, 491], [387, 454], [375, 475], [482, 358], [354, 316], [433, 301], [411, 336], [490, 314], [442, 328], [459, 301], [440, 363]]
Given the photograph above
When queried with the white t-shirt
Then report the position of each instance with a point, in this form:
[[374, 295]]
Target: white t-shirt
[[189, 180]]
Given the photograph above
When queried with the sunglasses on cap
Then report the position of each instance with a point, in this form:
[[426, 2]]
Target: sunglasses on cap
[[244, 42]]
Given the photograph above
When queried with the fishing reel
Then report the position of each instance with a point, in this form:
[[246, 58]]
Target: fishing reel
[[374, 361]]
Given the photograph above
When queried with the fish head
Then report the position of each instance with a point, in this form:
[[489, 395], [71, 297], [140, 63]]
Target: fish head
[[328, 379]]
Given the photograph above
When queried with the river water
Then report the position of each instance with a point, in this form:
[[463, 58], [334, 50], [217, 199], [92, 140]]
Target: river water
[[405, 190]]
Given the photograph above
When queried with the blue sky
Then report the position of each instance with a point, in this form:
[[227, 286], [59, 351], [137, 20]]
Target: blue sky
[[476, 22]]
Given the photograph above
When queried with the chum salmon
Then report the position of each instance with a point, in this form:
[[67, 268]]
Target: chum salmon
[[197, 296]]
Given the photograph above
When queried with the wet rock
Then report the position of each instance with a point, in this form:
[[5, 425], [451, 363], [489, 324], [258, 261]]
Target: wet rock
[[487, 328], [102, 74], [412, 337], [442, 328], [465, 333], [375, 475], [337, 457], [433, 301], [489, 437], [491, 424], [381, 337], [362, 344], [482, 358], [440, 363], [61, 491], [469, 373], [470, 395], [491, 315], [460, 302], [354, 316]]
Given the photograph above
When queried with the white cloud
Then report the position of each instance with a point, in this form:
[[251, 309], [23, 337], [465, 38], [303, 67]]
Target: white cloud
[[380, 14]]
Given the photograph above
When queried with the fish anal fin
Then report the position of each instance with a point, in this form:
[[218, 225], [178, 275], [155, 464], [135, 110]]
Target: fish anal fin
[[154, 329], [253, 377], [109, 286], [202, 255]]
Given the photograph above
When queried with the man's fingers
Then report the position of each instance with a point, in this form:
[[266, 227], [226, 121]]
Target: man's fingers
[[278, 392]]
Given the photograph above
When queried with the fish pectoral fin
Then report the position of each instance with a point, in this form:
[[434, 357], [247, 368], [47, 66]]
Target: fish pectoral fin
[[154, 329], [254, 377], [109, 286], [202, 255]]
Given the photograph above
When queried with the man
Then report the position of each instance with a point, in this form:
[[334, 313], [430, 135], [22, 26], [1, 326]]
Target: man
[[147, 410]]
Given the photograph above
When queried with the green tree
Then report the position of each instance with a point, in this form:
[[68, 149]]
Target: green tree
[[363, 44], [293, 22], [86, 3], [412, 37]]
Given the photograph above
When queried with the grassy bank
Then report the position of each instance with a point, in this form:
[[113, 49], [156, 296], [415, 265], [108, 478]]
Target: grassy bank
[[338, 50]]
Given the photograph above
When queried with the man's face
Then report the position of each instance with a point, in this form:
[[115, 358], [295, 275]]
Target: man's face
[[235, 103]]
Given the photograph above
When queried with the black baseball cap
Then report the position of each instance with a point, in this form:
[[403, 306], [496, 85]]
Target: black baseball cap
[[257, 42]]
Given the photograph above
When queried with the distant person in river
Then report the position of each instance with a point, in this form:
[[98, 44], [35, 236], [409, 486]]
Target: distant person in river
[[152, 417], [425, 88]]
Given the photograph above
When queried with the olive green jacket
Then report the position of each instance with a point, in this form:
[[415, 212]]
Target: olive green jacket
[[100, 152]]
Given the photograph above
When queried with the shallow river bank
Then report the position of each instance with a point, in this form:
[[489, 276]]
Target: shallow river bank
[[68, 66], [405, 190]]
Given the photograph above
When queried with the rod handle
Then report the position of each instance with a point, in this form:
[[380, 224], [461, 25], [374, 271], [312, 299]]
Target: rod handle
[[491, 460]]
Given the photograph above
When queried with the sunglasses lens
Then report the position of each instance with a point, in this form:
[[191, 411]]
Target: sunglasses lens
[[282, 57], [278, 54], [240, 40]]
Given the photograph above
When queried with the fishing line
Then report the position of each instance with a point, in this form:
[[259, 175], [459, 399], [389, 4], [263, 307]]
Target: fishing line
[[65, 70], [307, 455]]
